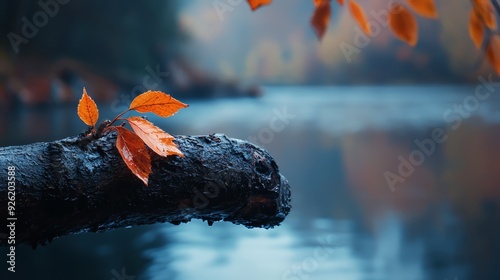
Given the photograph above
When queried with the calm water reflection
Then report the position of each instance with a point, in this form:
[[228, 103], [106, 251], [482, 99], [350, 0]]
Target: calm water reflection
[[439, 222]]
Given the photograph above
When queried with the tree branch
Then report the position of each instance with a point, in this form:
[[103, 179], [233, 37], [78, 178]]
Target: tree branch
[[79, 185]]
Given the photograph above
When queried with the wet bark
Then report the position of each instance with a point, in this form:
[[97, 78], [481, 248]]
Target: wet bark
[[76, 185]]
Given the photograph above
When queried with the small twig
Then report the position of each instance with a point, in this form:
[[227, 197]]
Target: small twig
[[118, 116], [102, 128]]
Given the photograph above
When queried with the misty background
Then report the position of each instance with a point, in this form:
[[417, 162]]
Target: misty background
[[353, 117]]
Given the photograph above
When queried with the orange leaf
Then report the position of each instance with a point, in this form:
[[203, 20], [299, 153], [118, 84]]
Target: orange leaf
[[475, 29], [359, 15], [493, 53], [486, 13], [425, 8], [87, 109], [134, 153], [403, 24], [158, 140], [255, 4], [156, 102], [318, 3], [321, 18]]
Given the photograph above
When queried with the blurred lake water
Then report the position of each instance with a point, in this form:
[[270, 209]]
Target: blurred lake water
[[388, 182]]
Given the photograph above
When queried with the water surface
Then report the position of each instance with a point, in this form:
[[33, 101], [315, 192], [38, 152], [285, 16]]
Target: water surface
[[438, 220]]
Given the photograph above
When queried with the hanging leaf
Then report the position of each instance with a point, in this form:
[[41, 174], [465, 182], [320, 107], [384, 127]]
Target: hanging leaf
[[359, 15], [157, 102], [158, 140], [134, 153], [318, 3], [321, 18], [493, 53], [403, 24], [424, 8], [476, 29], [255, 4], [87, 109], [486, 13]]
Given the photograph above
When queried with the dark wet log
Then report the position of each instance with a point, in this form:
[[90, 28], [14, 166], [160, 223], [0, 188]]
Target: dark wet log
[[76, 185]]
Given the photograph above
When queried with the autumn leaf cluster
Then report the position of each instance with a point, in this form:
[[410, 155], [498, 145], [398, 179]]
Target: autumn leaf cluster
[[482, 30], [132, 144], [401, 20], [403, 23]]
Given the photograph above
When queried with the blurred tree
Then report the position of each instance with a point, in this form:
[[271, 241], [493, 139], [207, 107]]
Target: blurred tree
[[52, 47], [125, 35]]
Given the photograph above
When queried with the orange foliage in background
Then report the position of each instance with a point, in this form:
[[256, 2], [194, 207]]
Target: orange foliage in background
[[424, 8], [482, 24], [321, 17], [255, 4], [404, 31], [402, 22], [476, 30], [359, 15]]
